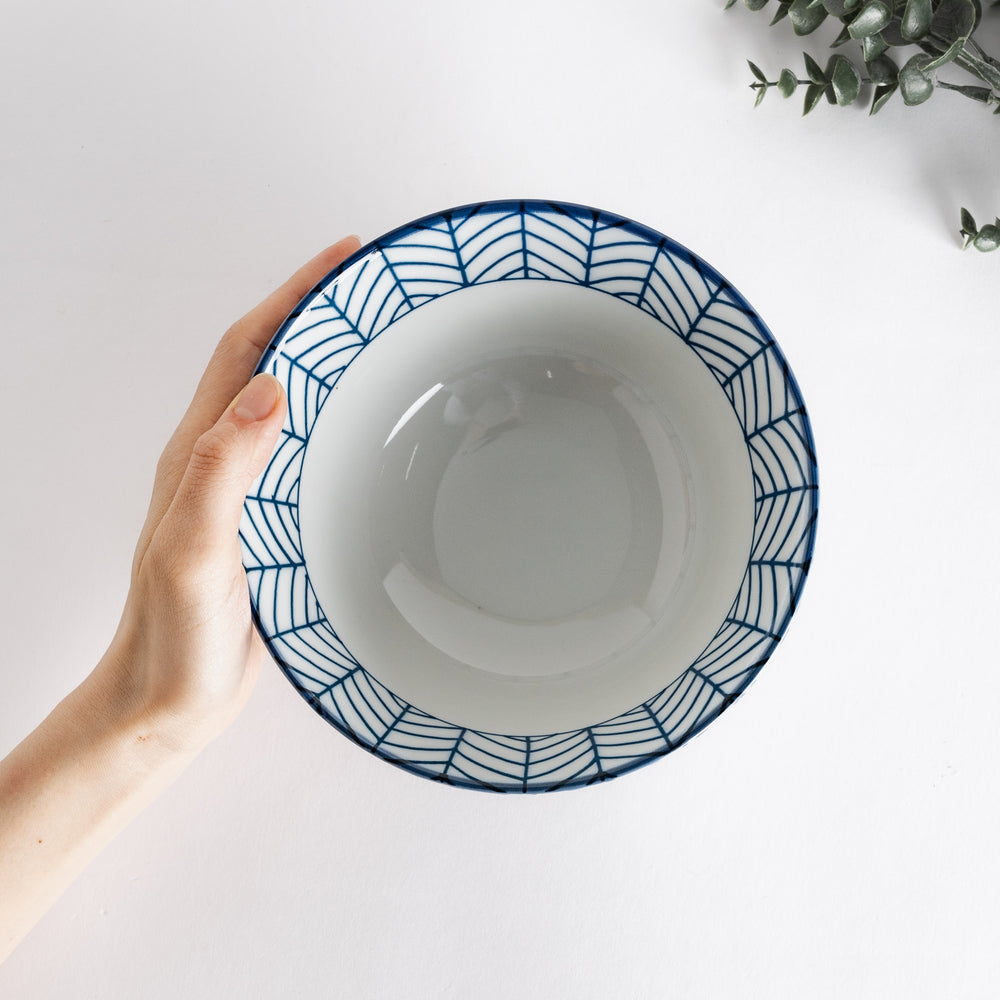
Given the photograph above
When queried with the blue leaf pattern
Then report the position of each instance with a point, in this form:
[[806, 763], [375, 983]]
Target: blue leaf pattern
[[504, 241]]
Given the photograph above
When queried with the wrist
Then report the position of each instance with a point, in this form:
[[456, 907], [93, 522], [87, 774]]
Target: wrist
[[153, 736]]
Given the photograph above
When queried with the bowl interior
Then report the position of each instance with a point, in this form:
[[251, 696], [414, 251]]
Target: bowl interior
[[526, 507]]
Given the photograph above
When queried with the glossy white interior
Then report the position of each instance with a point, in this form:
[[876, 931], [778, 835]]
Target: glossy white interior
[[526, 507]]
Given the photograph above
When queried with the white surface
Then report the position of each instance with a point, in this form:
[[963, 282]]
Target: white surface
[[500, 621], [834, 834]]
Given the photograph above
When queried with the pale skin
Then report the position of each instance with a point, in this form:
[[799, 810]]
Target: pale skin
[[185, 656]]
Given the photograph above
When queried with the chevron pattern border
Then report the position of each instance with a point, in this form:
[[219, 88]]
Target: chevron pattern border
[[531, 241]]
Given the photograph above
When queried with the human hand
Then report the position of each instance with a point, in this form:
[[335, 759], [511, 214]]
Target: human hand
[[186, 656]]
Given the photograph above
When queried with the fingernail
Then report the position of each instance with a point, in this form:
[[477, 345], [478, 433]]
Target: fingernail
[[258, 399]]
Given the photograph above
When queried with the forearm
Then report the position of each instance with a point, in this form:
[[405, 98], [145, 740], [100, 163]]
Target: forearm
[[67, 790], [185, 657]]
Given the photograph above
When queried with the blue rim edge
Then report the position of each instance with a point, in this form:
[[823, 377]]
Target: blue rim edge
[[668, 243]]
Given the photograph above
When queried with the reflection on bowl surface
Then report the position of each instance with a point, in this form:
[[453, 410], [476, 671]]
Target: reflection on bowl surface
[[544, 501], [524, 496]]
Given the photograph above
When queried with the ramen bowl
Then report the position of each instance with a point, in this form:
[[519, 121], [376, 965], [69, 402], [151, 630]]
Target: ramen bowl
[[544, 500]]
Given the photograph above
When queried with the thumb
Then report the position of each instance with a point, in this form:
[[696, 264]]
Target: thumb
[[224, 462]]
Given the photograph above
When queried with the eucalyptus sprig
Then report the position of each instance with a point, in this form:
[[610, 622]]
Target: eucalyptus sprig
[[932, 34], [985, 239]]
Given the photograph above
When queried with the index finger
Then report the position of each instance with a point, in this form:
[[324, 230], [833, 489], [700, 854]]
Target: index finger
[[237, 354]]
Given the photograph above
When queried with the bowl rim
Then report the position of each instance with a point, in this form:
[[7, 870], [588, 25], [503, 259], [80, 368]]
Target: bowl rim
[[769, 349]]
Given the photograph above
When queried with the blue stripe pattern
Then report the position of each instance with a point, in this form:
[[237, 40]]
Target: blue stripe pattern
[[535, 241]]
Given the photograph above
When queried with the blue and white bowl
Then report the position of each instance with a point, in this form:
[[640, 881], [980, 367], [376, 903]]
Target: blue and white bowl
[[544, 501]]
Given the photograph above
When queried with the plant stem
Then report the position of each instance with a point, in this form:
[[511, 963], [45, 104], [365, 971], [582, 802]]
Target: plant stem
[[757, 84], [981, 52], [970, 62]]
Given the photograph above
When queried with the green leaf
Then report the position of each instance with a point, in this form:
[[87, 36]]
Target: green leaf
[[729, 3], [844, 79], [805, 18], [916, 19], [844, 36], [914, 84], [946, 57], [787, 83], [761, 93], [874, 16], [881, 96], [755, 4], [893, 35], [988, 238], [814, 93], [813, 70], [757, 71], [954, 19], [883, 72], [969, 226], [779, 15], [872, 46]]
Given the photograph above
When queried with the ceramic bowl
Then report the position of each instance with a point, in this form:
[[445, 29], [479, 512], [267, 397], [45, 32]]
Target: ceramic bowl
[[543, 503]]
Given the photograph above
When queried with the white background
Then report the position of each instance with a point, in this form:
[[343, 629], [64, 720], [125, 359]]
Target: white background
[[835, 833]]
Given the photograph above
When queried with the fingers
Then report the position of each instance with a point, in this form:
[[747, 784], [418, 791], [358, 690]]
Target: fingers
[[240, 349], [229, 370], [204, 515], [259, 324]]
